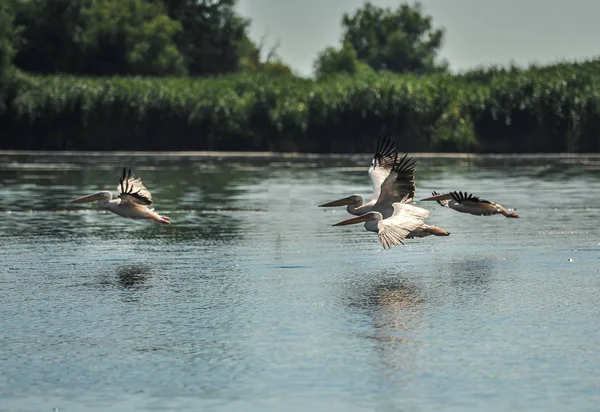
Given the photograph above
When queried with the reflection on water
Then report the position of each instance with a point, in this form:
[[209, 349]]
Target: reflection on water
[[471, 271], [251, 300], [398, 308], [398, 315], [134, 276], [395, 307]]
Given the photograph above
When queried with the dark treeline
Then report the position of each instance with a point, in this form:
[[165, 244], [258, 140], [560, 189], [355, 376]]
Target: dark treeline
[[549, 109], [199, 38], [184, 75], [130, 37]]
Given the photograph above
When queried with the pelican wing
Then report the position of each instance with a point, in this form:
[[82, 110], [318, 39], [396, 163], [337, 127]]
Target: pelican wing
[[406, 218], [399, 184], [131, 189], [403, 208], [441, 202], [465, 197], [383, 162]]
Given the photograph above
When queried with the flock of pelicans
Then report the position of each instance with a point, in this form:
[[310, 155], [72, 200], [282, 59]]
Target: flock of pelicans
[[390, 212]]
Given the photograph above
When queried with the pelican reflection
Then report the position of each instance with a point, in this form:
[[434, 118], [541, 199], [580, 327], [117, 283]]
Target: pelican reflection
[[396, 310], [134, 276]]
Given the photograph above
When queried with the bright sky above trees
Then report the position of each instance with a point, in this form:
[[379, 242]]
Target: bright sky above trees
[[477, 31]]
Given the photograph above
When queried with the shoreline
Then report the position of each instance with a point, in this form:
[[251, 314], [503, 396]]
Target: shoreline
[[288, 155]]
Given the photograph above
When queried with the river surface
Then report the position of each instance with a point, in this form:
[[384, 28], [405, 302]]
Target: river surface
[[252, 301]]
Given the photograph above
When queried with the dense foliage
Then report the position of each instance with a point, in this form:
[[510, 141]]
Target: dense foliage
[[383, 79], [128, 37], [548, 109], [7, 34], [398, 40]]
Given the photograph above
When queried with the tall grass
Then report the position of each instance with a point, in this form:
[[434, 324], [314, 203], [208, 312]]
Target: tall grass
[[546, 109]]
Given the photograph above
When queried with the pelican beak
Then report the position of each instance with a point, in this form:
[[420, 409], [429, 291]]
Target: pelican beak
[[513, 215], [88, 198], [341, 202], [354, 220], [443, 196]]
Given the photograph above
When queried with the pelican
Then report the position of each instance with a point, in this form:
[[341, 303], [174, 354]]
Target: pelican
[[395, 182], [133, 201], [467, 203], [406, 221], [385, 158], [398, 186]]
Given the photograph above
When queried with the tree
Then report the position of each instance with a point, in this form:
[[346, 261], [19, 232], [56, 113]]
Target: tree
[[7, 39], [249, 55], [99, 37], [211, 36], [332, 61], [131, 37], [250, 58], [400, 40], [153, 51], [51, 35]]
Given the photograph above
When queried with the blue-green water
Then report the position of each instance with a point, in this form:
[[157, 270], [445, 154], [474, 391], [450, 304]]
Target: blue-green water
[[252, 301]]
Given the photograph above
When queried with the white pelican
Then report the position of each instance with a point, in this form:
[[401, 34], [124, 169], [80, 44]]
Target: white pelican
[[383, 161], [467, 203], [406, 221], [133, 201]]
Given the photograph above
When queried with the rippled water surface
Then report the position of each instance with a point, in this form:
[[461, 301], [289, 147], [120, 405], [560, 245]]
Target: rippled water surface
[[252, 301]]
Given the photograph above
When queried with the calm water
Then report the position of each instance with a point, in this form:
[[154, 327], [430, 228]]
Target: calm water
[[252, 301]]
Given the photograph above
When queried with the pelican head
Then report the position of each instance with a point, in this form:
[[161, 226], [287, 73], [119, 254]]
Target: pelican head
[[367, 217], [100, 196], [350, 200], [511, 214]]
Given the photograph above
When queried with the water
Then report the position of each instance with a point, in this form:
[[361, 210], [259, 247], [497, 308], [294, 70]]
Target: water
[[252, 301]]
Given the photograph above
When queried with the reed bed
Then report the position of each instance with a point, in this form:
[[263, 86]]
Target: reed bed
[[546, 109]]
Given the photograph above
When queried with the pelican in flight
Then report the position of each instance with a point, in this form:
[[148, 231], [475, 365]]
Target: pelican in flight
[[407, 221], [467, 203], [133, 200], [383, 162]]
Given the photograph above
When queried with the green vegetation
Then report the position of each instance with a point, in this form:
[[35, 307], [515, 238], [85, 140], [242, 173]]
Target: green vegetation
[[548, 109], [7, 35], [382, 39], [130, 37], [113, 75]]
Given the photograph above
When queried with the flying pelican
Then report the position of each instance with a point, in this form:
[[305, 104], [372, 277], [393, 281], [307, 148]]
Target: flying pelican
[[467, 203], [133, 201], [384, 159], [391, 183], [406, 221]]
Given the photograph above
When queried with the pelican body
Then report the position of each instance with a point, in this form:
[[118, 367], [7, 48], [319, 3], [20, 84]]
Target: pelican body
[[467, 203], [133, 200], [381, 165], [392, 179], [406, 222]]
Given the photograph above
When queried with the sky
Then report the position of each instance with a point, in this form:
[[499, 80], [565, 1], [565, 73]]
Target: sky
[[478, 32]]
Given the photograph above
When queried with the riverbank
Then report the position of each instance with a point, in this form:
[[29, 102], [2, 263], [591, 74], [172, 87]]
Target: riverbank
[[289, 155], [551, 109]]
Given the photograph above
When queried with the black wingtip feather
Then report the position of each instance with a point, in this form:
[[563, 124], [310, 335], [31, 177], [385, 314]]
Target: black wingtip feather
[[461, 197], [127, 186], [406, 164], [386, 148]]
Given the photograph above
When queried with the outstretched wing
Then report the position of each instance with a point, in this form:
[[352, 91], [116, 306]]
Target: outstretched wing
[[131, 189], [383, 162], [406, 218], [461, 197], [443, 202], [399, 184], [404, 208]]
